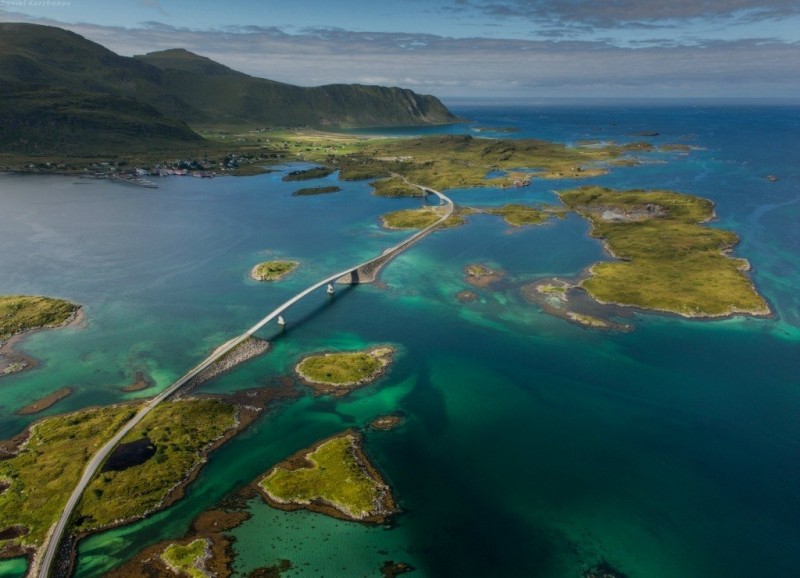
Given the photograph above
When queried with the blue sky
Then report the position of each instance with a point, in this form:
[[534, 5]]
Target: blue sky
[[470, 48]]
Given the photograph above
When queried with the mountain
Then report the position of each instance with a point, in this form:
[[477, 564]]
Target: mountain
[[61, 91], [216, 93]]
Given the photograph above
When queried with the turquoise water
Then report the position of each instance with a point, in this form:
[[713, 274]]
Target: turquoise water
[[532, 447]]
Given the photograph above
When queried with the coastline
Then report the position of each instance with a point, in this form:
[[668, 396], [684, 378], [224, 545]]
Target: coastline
[[13, 361]]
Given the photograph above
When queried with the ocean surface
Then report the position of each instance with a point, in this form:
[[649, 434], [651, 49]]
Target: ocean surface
[[532, 447]]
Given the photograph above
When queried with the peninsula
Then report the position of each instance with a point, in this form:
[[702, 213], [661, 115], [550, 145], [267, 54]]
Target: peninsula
[[20, 314]]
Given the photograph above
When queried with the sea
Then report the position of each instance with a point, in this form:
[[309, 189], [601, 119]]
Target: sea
[[531, 446]]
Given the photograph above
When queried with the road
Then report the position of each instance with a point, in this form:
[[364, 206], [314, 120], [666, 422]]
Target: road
[[42, 566]]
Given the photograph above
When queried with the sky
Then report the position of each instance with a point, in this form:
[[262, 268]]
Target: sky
[[496, 49]]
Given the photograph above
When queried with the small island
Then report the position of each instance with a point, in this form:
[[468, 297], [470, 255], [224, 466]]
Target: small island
[[189, 559], [481, 276], [387, 422], [332, 477], [311, 191], [272, 270], [667, 260], [339, 373]]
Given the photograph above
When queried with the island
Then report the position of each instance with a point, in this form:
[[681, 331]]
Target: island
[[188, 559], [387, 422], [332, 477], [311, 191], [667, 260], [148, 471], [482, 276], [339, 373], [272, 270], [21, 314]]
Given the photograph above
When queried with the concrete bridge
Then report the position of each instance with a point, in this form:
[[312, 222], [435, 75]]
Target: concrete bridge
[[366, 272]]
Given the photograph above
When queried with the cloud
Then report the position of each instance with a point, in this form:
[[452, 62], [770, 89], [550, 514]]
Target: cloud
[[480, 66], [640, 12]]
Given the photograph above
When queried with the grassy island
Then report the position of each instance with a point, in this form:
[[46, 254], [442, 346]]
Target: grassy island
[[412, 218], [668, 260], [272, 270], [333, 477], [311, 191], [518, 215], [481, 275], [188, 560], [19, 313], [338, 373]]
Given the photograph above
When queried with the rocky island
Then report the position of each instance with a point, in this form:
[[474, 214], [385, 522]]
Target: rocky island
[[332, 477]]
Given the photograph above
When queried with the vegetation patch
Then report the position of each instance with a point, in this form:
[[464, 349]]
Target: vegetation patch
[[395, 187], [412, 218], [339, 373], [272, 270], [20, 313], [316, 191], [188, 560], [333, 477], [182, 432], [668, 261], [45, 470]]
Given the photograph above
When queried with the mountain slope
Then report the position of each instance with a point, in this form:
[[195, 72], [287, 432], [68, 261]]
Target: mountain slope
[[220, 94], [58, 89]]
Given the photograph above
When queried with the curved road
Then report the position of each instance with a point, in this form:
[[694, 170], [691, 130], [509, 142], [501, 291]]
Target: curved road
[[53, 539]]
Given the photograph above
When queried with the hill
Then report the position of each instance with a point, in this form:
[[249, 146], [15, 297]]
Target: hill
[[61, 92]]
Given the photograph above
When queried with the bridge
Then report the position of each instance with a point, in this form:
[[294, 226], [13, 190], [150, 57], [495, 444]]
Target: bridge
[[365, 272]]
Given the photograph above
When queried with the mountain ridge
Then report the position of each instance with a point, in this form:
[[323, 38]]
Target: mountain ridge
[[53, 84]]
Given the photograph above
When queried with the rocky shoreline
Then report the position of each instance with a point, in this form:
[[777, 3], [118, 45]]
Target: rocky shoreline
[[13, 361], [245, 351]]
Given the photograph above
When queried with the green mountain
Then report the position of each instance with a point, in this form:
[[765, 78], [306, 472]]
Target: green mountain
[[62, 92]]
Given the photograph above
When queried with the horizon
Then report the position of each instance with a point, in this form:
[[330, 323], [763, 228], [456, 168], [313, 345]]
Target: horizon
[[460, 49]]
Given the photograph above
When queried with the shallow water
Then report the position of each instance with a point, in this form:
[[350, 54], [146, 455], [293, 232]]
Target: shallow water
[[532, 447]]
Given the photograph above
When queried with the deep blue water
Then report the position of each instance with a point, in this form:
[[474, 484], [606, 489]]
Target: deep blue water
[[532, 447]]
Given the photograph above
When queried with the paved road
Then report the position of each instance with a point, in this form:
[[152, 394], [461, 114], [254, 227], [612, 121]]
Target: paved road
[[50, 546]]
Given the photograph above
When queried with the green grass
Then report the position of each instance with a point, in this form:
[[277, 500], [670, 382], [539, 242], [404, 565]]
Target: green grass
[[412, 218], [273, 270], [46, 470], [335, 475], [395, 187], [187, 560], [341, 368], [180, 431], [672, 262], [24, 312]]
